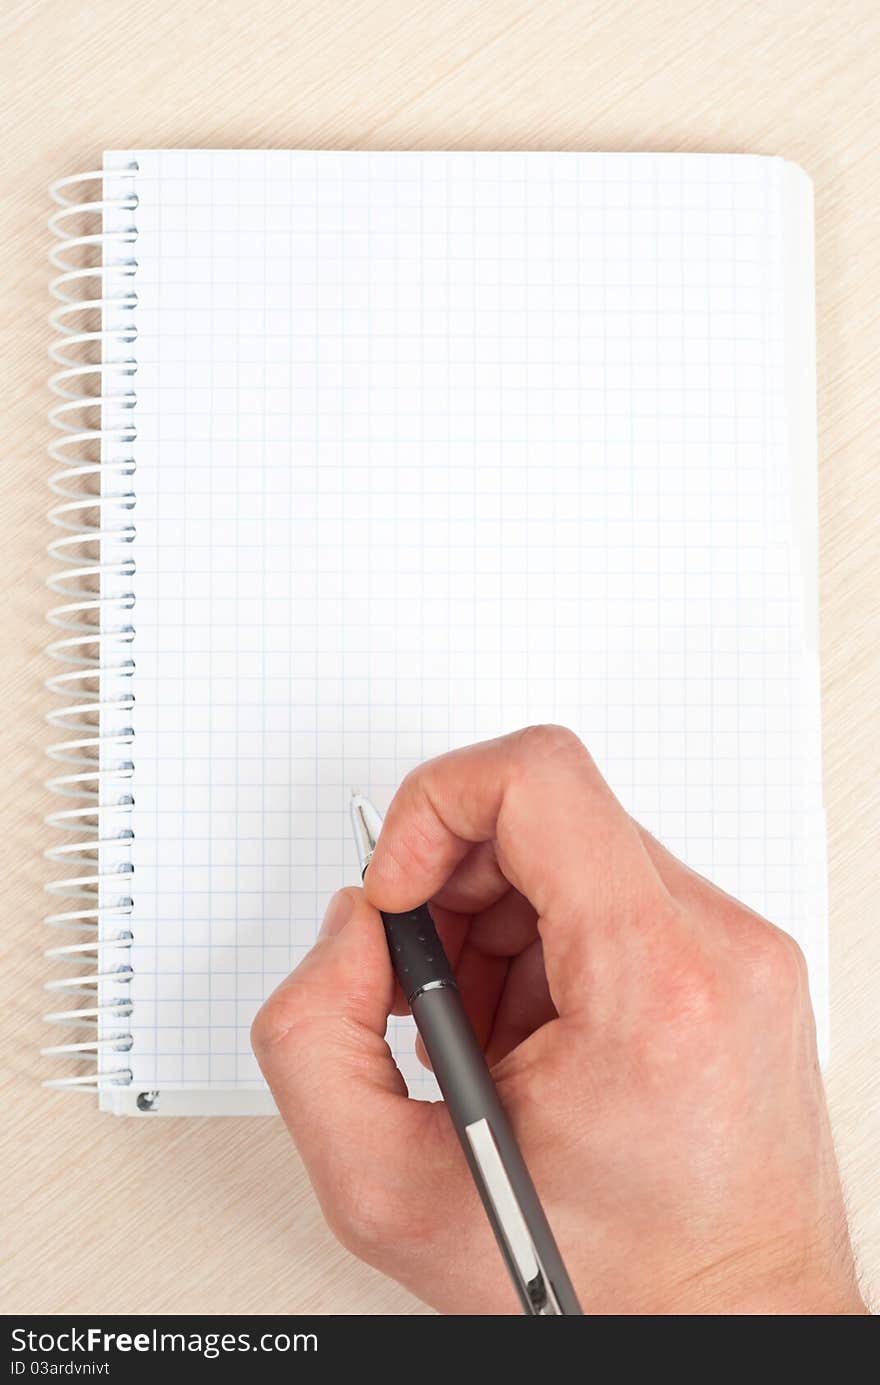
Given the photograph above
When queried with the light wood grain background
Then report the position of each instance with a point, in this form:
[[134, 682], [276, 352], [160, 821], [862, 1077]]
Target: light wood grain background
[[108, 1215]]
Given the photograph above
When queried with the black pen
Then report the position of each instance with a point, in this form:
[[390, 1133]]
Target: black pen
[[499, 1170]]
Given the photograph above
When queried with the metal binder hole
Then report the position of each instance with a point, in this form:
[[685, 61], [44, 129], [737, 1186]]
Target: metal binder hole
[[148, 1101]]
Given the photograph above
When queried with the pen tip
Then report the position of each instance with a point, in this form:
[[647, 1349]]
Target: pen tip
[[367, 823]]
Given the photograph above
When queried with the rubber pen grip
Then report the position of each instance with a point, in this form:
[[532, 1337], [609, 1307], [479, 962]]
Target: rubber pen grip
[[417, 953]]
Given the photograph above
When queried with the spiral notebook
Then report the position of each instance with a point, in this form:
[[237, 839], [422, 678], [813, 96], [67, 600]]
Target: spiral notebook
[[363, 456]]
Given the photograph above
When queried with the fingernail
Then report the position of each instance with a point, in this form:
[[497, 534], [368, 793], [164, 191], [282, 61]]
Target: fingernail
[[337, 915]]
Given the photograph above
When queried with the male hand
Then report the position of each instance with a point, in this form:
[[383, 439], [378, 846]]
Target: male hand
[[651, 1038]]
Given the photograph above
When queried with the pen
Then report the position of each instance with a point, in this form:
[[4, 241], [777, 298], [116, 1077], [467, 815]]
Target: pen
[[505, 1186]]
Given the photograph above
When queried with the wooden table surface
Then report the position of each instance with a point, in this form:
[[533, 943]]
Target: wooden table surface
[[112, 1216]]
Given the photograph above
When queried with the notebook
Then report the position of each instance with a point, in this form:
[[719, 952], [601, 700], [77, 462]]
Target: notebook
[[363, 456]]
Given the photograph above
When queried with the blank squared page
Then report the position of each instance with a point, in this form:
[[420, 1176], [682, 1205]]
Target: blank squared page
[[430, 447]]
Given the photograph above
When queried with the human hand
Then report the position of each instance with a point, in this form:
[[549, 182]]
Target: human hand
[[651, 1038]]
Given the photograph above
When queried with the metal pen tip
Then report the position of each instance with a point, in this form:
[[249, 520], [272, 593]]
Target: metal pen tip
[[366, 822]]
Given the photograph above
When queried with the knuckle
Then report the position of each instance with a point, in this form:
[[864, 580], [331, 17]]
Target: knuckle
[[289, 1010], [776, 966], [362, 1217], [272, 1024], [547, 740]]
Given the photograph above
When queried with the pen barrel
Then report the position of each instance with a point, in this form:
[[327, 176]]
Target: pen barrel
[[427, 980], [471, 1095], [459, 1065]]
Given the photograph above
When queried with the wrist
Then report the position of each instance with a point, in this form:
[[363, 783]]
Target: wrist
[[779, 1279]]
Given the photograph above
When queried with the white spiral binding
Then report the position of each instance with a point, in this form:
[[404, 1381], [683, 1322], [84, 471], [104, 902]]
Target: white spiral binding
[[93, 348]]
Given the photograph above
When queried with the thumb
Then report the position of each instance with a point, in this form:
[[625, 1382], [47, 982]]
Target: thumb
[[319, 1040]]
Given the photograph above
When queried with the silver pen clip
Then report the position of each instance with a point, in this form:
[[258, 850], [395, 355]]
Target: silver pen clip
[[525, 1261]]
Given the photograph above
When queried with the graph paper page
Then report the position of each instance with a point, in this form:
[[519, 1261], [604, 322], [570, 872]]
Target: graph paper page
[[430, 447]]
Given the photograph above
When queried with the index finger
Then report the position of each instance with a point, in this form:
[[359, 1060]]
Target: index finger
[[560, 837]]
